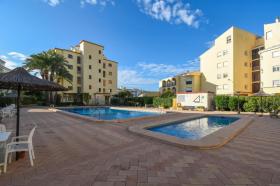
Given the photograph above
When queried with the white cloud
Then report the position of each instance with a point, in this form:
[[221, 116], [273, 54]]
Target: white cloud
[[209, 44], [129, 78], [53, 3], [17, 55], [171, 11], [144, 74], [8, 63], [98, 2]]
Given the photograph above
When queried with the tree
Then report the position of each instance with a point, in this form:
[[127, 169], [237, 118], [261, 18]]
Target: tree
[[167, 94], [51, 66]]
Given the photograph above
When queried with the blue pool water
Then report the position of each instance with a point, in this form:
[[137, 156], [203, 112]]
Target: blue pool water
[[196, 128], [106, 113]]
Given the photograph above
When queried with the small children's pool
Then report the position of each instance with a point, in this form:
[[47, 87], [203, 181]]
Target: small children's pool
[[107, 113], [196, 128]]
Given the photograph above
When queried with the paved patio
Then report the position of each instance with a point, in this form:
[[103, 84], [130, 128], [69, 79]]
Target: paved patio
[[70, 151]]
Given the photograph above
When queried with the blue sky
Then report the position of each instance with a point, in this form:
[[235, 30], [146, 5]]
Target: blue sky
[[151, 39]]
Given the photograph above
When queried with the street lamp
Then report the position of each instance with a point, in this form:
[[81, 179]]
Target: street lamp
[[238, 103]]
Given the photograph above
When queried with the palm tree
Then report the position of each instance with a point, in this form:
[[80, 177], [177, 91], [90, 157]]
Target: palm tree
[[51, 66]]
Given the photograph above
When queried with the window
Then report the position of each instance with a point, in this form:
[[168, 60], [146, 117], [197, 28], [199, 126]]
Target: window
[[188, 82], [276, 83], [189, 89], [99, 80], [99, 70], [110, 90], [99, 89], [70, 56], [219, 65], [89, 66], [219, 76], [219, 54], [276, 54], [246, 75], [219, 87], [246, 87], [104, 90], [104, 65], [104, 82], [70, 67], [89, 87], [104, 74], [89, 77], [110, 65], [70, 88], [225, 64], [225, 87], [78, 59], [110, 82], [225, 75], [99, 51], [276, 68], [245, 64], [228, 39], [268, 35], [99, 61], [89, 56], [79, 80], [110, 73], [79, 70], [225, 52], [79, 89], [246, 53]]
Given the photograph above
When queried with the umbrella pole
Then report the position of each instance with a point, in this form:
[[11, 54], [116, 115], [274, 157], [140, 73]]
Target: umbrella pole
[[18, 115]]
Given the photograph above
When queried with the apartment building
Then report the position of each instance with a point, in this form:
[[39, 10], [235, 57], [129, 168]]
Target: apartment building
[[241, 62], [270, 58], [186, 82], [92, 73]]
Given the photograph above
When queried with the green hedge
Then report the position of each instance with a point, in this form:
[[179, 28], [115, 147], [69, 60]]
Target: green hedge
[[133, 101], [247, 104], [162, 102]]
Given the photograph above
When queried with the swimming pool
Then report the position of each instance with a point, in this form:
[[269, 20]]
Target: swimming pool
[[196, 128], [107, 113]]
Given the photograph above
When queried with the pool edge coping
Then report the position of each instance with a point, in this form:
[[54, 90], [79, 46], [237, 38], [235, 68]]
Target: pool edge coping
[[87, 118], [214, 140]]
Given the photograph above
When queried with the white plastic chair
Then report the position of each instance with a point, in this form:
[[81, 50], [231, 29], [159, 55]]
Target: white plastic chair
[[2, 128], [24, 143]]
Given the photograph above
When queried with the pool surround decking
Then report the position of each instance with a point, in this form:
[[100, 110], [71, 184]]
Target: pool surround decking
[[214, 140], [70, 151]]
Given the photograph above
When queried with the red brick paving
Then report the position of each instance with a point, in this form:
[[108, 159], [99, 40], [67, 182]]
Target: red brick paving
[[70, 151]]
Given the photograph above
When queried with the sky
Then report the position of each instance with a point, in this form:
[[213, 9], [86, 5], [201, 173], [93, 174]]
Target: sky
[[150, 39]]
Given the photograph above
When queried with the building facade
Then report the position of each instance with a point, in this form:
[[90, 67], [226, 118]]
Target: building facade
[[241, 62], [92, 72], [186, 82], [270, 58]]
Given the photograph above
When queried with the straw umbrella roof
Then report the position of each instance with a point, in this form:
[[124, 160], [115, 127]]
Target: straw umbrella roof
[[19, 77], [261, 93]]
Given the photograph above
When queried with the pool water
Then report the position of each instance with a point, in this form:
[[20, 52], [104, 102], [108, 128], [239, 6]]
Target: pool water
[[106, 113], [196, 128]]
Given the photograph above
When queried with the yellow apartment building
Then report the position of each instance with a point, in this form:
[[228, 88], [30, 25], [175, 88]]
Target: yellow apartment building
[[241, 62], [186, 82], [92, 73]]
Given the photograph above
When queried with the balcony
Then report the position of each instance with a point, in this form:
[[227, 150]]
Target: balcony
[[256, 68]]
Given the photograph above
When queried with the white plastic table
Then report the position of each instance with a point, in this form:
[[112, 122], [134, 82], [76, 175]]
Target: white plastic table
[[4, 136]]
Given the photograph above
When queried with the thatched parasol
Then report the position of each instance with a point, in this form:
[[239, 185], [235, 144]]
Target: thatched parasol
[[261, 94], [19, 79]]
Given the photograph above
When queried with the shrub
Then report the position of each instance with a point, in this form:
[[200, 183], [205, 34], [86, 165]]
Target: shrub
[[233, 103], [221, 102], [162, 102], [251, 105]]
